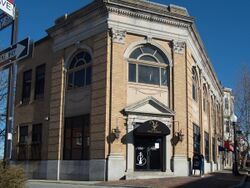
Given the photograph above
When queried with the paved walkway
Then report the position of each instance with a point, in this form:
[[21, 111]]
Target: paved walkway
[[222, 179]]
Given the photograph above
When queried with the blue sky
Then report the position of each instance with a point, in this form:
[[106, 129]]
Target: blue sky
[[223, 25]]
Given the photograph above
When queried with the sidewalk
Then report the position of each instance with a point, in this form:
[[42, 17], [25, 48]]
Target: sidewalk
[[221, 179]]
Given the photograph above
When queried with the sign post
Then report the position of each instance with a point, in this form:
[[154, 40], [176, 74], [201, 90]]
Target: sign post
[[11, 97]]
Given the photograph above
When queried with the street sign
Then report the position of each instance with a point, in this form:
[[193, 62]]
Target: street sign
[[16, 52], [5, 21], [8, 7]]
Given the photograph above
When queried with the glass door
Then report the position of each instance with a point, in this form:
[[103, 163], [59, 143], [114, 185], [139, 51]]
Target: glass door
[[148, 153]]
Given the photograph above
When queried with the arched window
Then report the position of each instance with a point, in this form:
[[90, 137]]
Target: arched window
[[79, 70], [194, 85], [148, 65]]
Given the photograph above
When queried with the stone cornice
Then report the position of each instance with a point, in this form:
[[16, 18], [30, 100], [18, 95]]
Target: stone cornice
[[148, 16], [195, 35]]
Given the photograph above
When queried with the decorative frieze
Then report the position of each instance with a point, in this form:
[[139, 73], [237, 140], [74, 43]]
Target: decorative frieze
[[179, 47], [118, 36]]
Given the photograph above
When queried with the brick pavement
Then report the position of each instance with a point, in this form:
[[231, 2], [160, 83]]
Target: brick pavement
[[222, 179]]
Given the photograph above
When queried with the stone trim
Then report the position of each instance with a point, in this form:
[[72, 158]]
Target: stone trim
[[179, 47], [147, 17], [118, 36]]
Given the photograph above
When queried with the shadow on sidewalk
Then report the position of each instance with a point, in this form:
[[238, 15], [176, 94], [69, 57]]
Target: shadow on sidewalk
[[213, 180]]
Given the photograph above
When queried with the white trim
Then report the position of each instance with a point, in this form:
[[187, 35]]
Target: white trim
[[134, 45], [77, 47]]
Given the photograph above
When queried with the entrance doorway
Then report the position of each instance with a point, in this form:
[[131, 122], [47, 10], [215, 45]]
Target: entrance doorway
[[148, 153]]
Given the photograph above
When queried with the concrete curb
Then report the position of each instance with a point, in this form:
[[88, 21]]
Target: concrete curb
[[66, 182], [89, 183], [242, 182]]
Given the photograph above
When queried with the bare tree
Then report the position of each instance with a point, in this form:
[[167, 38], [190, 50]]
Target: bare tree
[[3, 99], [242, 105]]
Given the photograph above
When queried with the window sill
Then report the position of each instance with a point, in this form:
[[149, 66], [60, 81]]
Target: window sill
[[78, 88], [147, 85]]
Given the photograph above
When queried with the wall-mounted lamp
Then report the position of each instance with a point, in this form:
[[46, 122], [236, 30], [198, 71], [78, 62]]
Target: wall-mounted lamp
[[46, 118], [178, 137], [116, 132]]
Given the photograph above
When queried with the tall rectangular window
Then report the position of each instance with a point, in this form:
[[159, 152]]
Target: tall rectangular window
[[23, 138], [40, 81], [27, 75], [227, 126], [36, 145], [23, 143], [196, 139], [213, 148], [132, 72], [37, 133], [206, 139], [76, 138]]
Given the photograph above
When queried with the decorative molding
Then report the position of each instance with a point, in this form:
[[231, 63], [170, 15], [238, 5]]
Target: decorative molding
[[148, 17], [149, 38], [118, 36], [179, 47]]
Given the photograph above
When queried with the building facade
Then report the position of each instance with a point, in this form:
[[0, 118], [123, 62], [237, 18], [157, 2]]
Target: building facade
[[118, 89], [228, 110]]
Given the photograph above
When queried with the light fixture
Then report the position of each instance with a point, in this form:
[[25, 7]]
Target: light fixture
[[116, 132]]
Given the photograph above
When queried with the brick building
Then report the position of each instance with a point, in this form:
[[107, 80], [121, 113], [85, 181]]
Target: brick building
[[118, 89]]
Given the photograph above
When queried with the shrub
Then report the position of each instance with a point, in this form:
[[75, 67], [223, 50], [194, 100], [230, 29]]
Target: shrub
[[12, 177]]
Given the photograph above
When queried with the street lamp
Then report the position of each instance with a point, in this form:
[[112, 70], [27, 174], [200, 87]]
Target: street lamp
[[235, 163]]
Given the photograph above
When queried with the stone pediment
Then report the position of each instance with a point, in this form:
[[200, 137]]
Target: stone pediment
[[149, 105]]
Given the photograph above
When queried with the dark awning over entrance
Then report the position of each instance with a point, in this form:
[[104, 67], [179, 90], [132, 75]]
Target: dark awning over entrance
[[152, 127]]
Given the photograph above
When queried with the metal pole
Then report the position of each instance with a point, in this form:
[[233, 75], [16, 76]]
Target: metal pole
[[235, 165], [11, 97]]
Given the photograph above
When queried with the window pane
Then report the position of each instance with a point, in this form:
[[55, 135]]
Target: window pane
[[88, 75], [80, 55], [206, 138], [161, 58], [148, 49], [40, 81], [87, 58], [194, 92], [135, 54], [196, 139], [23, 135], [37, 133], [72, 64], [148, 58], [76, 146], [148, 75], [70, 80], [26, 85], [79, 78], [164, 77], [132, 72], [79, 63]]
